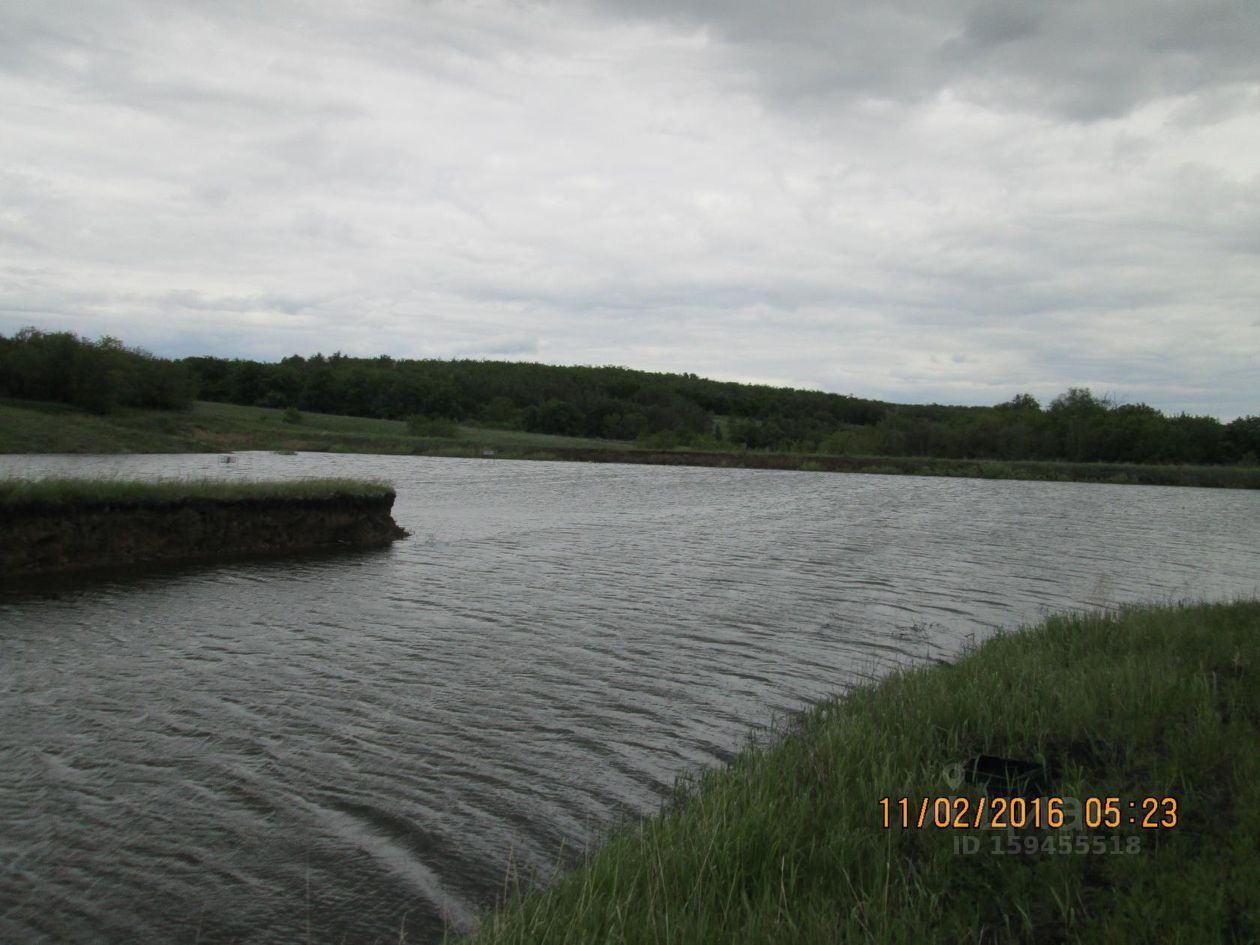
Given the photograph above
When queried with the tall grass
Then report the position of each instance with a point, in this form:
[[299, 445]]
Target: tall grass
[[786, 844]]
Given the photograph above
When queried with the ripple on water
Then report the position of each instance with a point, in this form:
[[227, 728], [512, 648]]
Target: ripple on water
[[343, 748]]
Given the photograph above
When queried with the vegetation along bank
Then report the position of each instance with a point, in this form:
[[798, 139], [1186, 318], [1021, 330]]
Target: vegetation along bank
[[43, 427], [650, 410], [73, 524], [789, 842]]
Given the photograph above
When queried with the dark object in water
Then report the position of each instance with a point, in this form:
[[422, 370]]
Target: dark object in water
[[1006, 777]]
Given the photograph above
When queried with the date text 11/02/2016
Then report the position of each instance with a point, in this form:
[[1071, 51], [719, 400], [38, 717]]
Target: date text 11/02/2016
[[1000, 813]]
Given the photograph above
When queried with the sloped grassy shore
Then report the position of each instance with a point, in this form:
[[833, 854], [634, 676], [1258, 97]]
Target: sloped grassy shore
[[787, 843]]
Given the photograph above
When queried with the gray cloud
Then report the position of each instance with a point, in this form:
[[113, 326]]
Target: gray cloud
[[1075, 60], [941, 201]]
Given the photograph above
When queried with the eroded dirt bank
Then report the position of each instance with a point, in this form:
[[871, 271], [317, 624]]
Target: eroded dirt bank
[[38, 538]]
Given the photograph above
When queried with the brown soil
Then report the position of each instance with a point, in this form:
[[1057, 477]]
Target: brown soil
[[37, 539], [696, 458]]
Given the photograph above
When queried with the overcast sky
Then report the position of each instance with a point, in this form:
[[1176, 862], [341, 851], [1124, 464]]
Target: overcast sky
[[941, 201]]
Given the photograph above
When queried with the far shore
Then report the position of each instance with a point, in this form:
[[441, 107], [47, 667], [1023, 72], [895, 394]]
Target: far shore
[[219, 428]]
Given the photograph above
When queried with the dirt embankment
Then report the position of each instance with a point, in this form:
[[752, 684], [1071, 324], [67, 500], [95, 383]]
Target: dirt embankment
[[696, 458], [39, 538]]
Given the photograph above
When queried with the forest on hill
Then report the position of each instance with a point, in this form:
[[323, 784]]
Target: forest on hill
[[656, 410]]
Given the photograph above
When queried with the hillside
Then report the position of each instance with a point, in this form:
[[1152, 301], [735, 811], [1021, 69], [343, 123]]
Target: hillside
[[656, 411]]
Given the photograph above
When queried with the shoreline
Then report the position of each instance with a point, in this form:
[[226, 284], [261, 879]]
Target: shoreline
[[787, 842], [218, 428], [1025, 470]]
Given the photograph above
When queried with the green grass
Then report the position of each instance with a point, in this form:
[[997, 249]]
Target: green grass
[[786, 844], [19, 492], [27, 427]]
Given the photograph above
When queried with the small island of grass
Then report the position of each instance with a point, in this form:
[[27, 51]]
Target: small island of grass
[[83, 492], [49, 525]]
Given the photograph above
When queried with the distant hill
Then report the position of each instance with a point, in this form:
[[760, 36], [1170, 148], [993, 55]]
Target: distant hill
[[656, 410]]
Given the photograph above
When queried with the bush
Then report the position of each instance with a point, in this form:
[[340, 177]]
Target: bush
[[292, 415]]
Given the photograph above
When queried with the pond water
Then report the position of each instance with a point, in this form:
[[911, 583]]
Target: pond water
[[355, 747]]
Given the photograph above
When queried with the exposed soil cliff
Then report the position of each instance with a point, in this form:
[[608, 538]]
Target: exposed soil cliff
[[38, 538]]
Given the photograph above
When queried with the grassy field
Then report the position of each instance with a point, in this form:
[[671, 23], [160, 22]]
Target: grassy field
[[787, 843], [18, 492], [27, 427]]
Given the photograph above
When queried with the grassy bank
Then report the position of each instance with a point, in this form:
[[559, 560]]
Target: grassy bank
[[211, 427], [96, 492], [26, 427], [786, 844]]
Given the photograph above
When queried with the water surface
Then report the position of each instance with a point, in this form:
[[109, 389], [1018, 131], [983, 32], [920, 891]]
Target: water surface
[[339, 748]]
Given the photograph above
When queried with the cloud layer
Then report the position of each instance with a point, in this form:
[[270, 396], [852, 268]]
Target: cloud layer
[[935, 201]]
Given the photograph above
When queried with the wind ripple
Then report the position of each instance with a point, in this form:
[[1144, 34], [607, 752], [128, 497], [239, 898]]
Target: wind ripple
[[331, 748]]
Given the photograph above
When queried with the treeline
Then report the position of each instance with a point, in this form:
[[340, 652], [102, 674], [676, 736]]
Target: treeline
[[97, 376], [1076, 426], [668, 410], [656, 410], [605, 402]]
